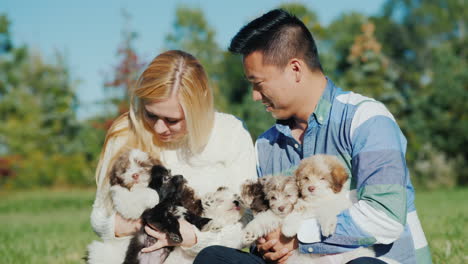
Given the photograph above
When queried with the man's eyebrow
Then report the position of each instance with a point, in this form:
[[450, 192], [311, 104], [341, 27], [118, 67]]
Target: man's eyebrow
[[250, 77]]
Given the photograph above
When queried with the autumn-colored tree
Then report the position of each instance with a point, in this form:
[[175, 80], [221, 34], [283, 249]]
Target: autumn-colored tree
[[125, 73]]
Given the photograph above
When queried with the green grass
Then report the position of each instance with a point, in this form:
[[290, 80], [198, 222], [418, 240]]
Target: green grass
[[46, 226], [444, 217]]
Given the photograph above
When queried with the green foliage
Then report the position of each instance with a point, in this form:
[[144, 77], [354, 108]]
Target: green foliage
[[40, 135], [371, 73], [412, 57]]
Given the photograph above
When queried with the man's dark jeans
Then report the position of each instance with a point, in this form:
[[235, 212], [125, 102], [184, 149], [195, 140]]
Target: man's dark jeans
[[225, 255]]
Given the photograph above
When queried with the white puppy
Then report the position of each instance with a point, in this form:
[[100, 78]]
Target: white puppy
[[225, 210]]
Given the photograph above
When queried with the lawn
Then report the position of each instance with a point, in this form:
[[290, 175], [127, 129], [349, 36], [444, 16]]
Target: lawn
[[52, 226]]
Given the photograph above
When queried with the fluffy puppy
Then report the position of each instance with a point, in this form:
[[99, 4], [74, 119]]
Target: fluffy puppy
[[224, 208], [177, 200], [280, 193], [320, 180], [129, 179]]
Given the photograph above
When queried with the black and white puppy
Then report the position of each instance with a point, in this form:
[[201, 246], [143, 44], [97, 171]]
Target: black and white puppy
[[225, 209], [177, 200]]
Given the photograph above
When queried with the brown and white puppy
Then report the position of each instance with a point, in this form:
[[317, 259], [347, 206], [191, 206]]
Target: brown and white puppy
[[132, 169], [129, 178], [280, 194], [129, 195], [320, 180]]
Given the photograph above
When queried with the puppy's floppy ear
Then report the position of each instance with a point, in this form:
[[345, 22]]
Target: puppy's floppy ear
[[254, 197], [118, 167], [221, 188], [339, 177], [113, 178], [154, 160]]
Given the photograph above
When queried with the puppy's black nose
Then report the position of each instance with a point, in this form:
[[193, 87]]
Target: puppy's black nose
[[236, 203]]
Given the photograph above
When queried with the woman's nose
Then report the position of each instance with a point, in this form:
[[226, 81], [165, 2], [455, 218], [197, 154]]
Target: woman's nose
[[160, 126]]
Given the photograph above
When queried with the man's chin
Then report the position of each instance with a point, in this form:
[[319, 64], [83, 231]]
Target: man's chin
[[280, 116]]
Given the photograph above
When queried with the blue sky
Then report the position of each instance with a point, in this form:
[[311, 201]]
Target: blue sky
[[88, 31]]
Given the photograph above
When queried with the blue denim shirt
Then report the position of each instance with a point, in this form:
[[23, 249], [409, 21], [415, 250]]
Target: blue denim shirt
[[363, 134]]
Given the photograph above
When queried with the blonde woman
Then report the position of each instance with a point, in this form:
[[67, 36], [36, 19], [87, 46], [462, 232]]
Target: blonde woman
[[172, 117]]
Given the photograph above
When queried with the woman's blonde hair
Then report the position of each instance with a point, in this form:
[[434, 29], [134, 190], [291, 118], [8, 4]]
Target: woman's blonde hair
[[171, 72]]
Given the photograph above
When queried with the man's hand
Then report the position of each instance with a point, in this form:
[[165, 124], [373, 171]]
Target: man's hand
[[186, 230], [125, 227], [275, 247]]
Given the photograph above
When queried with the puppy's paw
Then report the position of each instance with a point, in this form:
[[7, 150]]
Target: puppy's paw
[[176, 238], [249, 237], [212, 226], [208, 201], [289, 230], [327, 225], [216, 228]]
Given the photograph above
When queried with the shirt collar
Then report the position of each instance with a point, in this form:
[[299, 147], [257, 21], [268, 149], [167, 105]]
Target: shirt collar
[[320, 114], [322, 110]]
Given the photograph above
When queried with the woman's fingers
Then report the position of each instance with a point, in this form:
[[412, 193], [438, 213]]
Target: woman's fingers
[[154, 233], [125, 227], [151, 248], [161, 240]]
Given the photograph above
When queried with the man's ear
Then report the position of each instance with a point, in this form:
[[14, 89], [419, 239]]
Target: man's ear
[[296, 66]]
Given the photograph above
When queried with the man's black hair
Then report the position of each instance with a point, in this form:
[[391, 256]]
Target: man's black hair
[[280, 36]]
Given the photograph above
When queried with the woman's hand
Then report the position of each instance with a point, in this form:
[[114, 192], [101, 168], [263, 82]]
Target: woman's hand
[[125, 227], [186, 230]]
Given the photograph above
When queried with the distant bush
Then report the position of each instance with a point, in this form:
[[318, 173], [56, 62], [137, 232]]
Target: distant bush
[[432, 169]]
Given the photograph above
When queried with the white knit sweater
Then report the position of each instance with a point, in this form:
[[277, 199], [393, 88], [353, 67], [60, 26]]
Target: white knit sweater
[[227, 160]]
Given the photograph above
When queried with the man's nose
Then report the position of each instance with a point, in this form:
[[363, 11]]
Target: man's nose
[[256, 95], [160, 126]]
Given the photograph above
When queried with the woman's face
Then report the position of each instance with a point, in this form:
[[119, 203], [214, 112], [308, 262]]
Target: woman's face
[[167, 119]]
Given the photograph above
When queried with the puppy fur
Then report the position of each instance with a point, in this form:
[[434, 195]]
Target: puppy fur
[[320, 180], [224, 208], [177, 200], [280, 194], [129, 179], [130, 195]]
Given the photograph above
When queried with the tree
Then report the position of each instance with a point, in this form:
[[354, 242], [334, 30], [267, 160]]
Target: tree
[[126, 72], [39, 141], [372, 73], [429, 41], [193, 34]]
